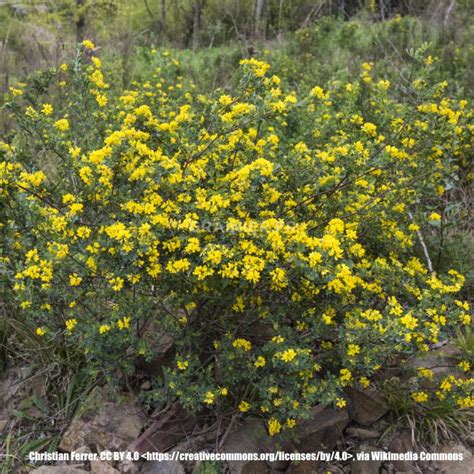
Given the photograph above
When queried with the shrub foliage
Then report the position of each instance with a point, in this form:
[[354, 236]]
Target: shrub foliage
[[273, 232]]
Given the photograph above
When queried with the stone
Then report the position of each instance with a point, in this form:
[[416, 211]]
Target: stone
[[104, 424], [129, 467], [163, 467], [319, 433], [166, 432], [362, 433], [402, 442], [303, 467], [162, 345], [100, 467], [442, 361], [365, 407], [64, 469], [466, 466], [249, 438], [366, 467], [322, 430]]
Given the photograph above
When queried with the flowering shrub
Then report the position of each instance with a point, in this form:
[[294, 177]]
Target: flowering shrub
[[272, 232]]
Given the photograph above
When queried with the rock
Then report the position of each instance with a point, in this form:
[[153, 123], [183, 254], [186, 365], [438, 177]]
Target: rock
[[362, 433], [442, 361], [366, 406], [366, 467], [322, 430], [402, 443], [469, 440], [162, 345], [163, 467], [166, 432], [466, 466], [100, 467], [104, 424], [249, 438], [334, 469], [129, 467], [57, 470], [303, 467]]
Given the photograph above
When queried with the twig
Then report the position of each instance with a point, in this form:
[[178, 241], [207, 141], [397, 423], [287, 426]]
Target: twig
[[227, 431], [423, 245]]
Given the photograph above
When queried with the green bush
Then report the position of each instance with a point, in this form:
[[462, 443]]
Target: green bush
[[272, 232]]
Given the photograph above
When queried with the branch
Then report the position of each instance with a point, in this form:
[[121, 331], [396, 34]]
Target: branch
[[422, 243]]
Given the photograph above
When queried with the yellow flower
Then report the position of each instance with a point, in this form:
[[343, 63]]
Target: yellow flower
[[244, 406], [62, 124], [345, 375], [225, 100], [274, 426], [290, 422], [74, 279], [71, 324], [104, 328], [340, 402], [426, 373], [209, 398], [124, 323], [40, 332], [242, 344], [88, 44], [101, 100], [182, 365], [353, 350], [47, 109], [435, 217], [260, 362], [288, 355], [419, 397], [369, 129]]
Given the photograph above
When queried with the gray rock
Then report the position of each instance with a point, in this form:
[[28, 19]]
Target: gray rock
[[366, 467], [366, 407], [322, 430], [442, 361], [105, 424], [57, 470], [402, 443], [466, 466], [249, 438], [362, 433], [163, 467], [101, 467]]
